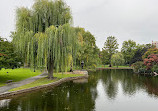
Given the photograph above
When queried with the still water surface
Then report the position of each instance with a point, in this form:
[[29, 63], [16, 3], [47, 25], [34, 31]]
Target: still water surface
[[106, 90]]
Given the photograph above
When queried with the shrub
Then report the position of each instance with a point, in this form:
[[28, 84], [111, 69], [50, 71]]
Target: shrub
[[142, 70], [151, 60], [137, 66], [155, 68]]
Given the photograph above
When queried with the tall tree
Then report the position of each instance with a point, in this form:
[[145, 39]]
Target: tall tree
[[44, 36], [87, 49], [111, 47], [128, 50], [104, 55]]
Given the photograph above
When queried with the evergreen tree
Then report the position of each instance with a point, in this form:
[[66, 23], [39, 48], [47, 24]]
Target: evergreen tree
[[111, 47]]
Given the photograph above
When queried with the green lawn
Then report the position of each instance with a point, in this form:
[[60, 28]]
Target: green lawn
[[16, 75], [43, 81], [107, 66]]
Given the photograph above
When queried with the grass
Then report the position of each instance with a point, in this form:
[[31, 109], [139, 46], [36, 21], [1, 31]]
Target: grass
[[44, 81], [16, 75], [107, 66]]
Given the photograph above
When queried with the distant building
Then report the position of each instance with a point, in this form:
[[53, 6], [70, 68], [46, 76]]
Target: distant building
[[155, 43]]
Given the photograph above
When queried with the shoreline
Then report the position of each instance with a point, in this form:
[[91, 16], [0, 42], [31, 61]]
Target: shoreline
[[50, 85], [113, 68]]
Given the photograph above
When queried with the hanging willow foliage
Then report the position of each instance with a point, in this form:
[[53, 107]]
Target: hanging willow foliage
[[44, 36], [44, 13]]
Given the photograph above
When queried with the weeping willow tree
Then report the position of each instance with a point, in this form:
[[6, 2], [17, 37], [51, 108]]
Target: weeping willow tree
[[44, 35]]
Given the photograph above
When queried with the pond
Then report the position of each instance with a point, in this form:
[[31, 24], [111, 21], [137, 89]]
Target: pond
[[105, 90]]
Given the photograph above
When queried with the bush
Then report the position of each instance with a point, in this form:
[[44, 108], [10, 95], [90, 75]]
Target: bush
[[142, 70], [137, 66], [155, 68], [151, 60]]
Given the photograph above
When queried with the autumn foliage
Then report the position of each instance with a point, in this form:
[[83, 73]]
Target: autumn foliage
[[151, 60], [149, 52]]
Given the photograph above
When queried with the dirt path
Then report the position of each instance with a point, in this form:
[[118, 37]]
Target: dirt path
[[20, 83]]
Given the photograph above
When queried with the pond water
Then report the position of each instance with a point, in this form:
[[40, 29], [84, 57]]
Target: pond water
[[105, 90]]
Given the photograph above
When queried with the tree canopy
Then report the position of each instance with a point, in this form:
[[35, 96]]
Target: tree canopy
[[149, 52], [110, 46], [44, 35], [117, 59], [140, 50], [87, 49], [8, 58], [128, 50], [43, 14]]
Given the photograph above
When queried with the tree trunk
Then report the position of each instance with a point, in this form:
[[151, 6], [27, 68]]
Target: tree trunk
[[110, 65], [50, 68]]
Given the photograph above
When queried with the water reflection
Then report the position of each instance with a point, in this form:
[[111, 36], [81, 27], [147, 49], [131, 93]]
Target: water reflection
[[105, 89], [4, 103]]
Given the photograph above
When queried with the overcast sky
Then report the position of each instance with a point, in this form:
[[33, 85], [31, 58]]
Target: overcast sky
[[124, 19]]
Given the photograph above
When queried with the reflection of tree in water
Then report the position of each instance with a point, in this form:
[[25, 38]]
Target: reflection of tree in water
[[67, 97], [131, 83], [81, 97], [128, 82], [151, 85], [110, 84]]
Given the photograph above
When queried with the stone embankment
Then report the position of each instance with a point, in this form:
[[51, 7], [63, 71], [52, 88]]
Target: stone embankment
[[51, 85]]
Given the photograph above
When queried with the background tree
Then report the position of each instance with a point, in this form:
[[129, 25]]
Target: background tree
[[117, 59], [149, 52], [128, 50], [44, 36], [87, 49], [104, 57], [8, 58], [137, 66], [140, 51], [111, 47]]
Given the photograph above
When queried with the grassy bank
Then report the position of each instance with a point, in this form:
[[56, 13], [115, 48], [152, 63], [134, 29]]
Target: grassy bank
[[16, 75], [44, 81], [107, 66]]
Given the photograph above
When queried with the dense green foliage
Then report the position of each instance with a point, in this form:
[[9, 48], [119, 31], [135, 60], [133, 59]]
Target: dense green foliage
[[104, 55], [87, 49], [8, 58], [149, 61], [44, 36], [139, 52], [128, 50], [43, 14], [110, 47], [117, 59], [137, 66]]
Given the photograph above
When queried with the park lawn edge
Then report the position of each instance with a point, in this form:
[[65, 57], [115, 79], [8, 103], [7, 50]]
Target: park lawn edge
[[107, 66], [45, 81], [16, 75]]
